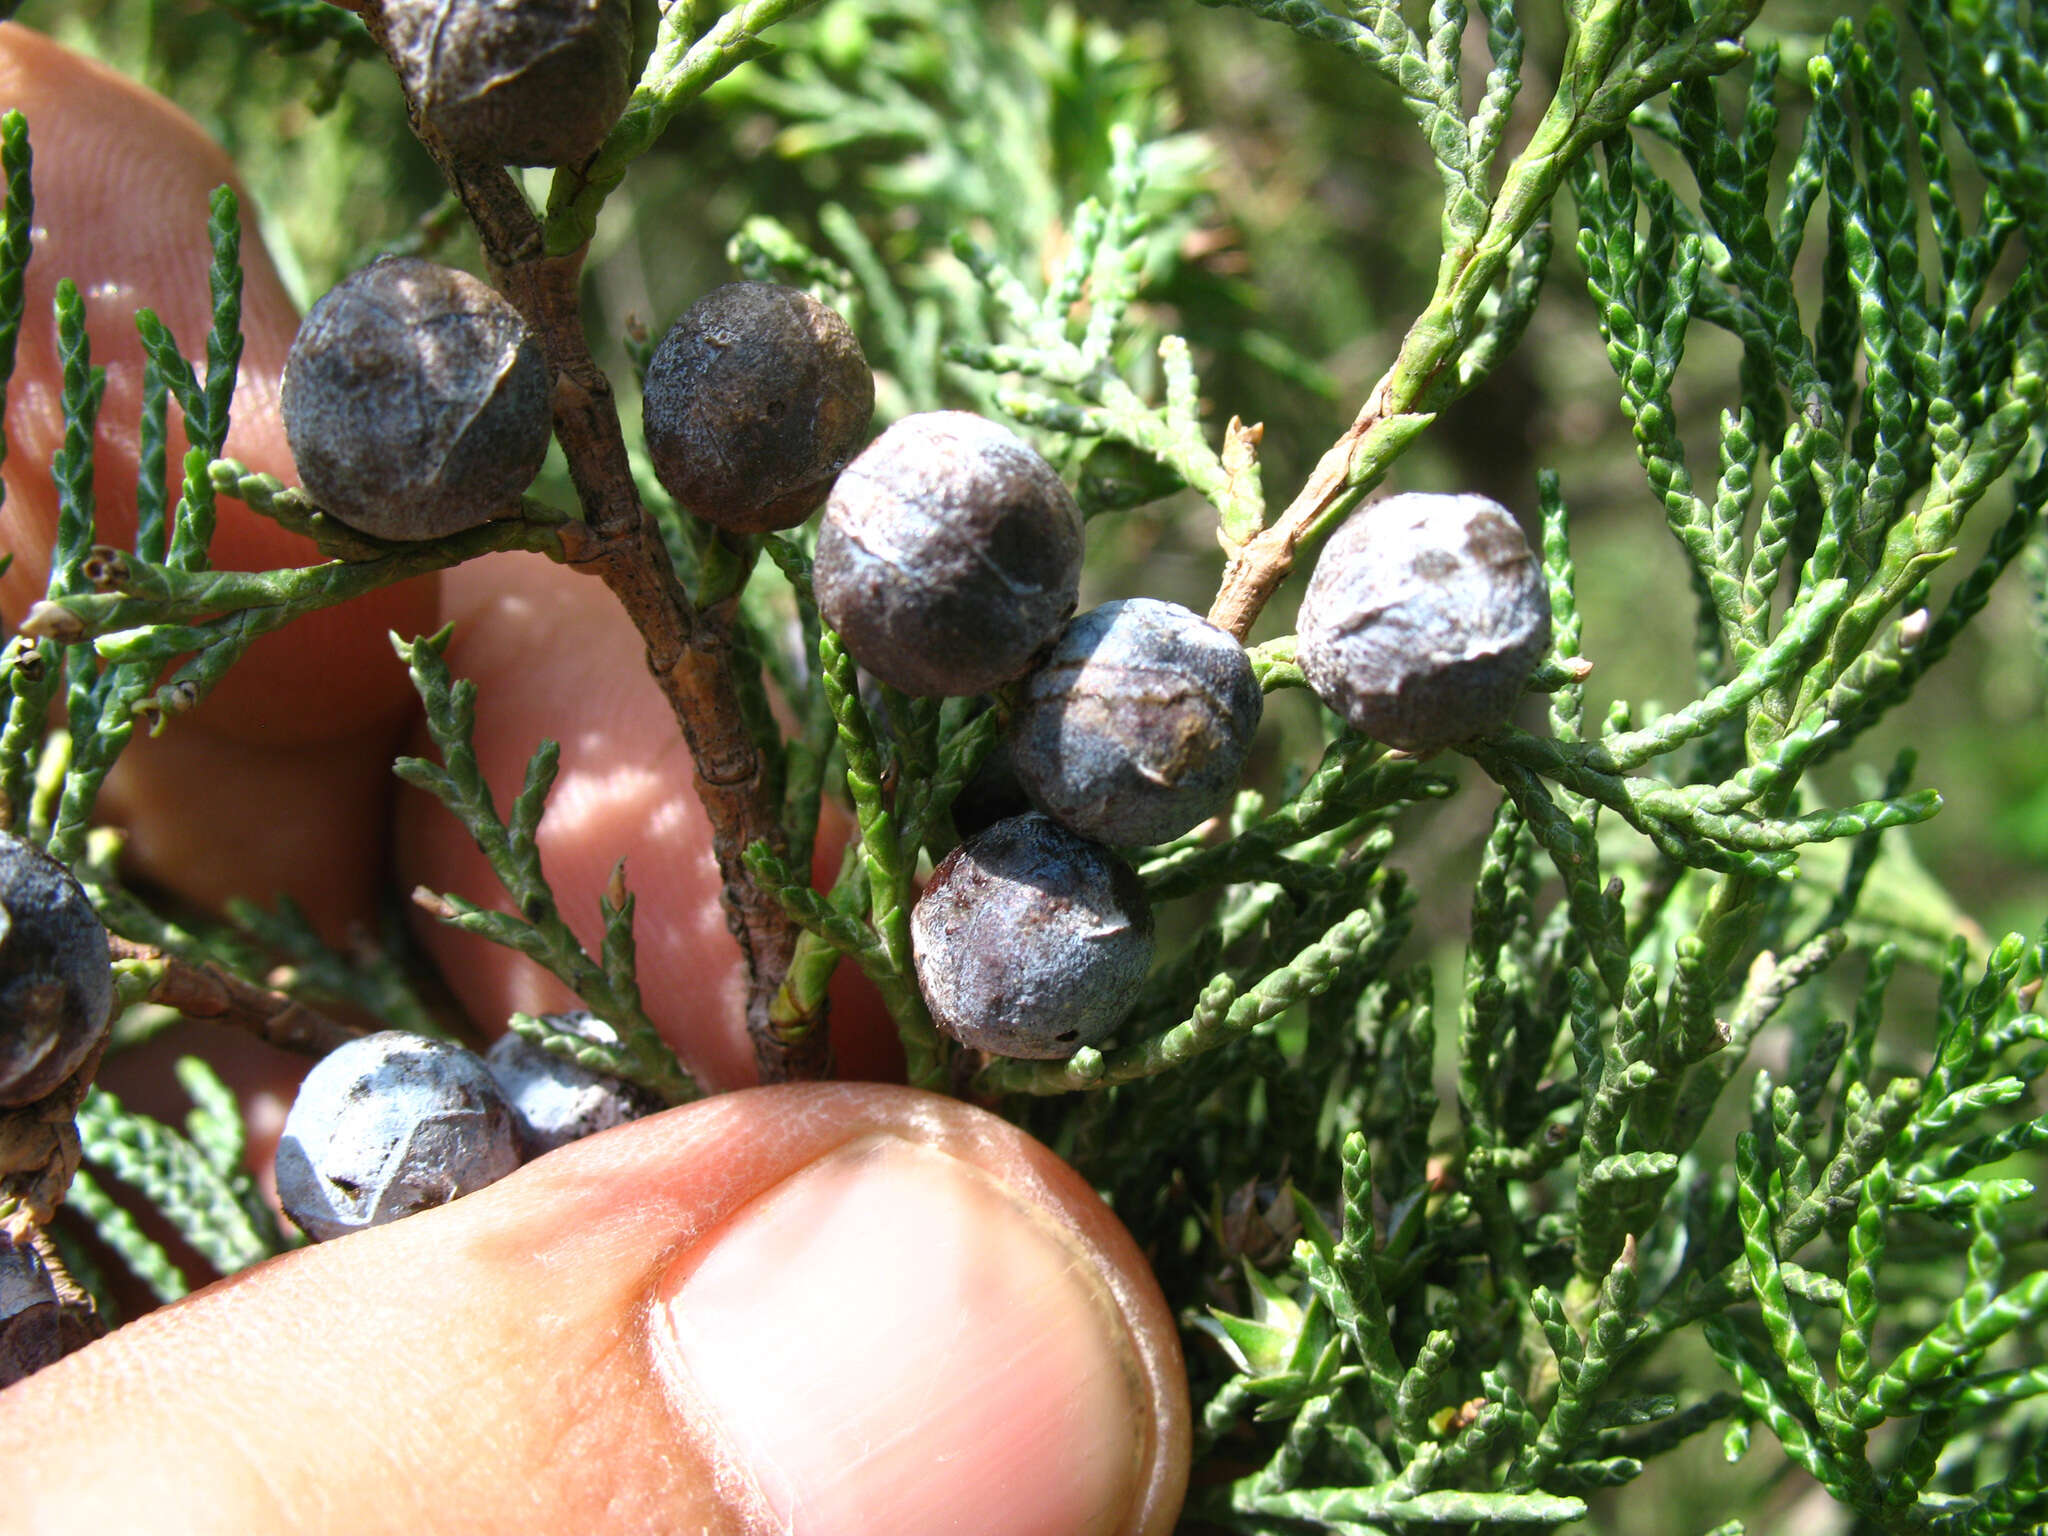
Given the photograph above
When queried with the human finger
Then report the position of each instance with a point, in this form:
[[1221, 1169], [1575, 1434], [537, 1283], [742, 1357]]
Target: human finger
[[821, 1308]]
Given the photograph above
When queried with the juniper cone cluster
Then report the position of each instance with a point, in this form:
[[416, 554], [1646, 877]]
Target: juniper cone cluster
[[1503, 1241], [1031, 941], [1424, 619], [56, 977], [1423, 622], [416, 401], [515, 82], [754, 402]]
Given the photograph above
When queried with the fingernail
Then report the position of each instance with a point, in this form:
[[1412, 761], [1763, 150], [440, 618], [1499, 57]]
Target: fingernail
[[890, 1342]]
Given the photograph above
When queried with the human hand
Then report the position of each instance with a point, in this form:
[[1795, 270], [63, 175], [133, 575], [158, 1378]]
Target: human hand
[[836, 1308]]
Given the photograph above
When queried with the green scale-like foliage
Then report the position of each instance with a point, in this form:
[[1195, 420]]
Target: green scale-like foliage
[[1450, 1255]]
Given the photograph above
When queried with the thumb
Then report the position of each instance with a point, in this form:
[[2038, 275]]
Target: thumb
[[827, 1308]]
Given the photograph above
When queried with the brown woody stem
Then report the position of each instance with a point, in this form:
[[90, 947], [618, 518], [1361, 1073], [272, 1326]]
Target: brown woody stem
[[39, 1146], [216, 995], [688, 650], [1258, 566]]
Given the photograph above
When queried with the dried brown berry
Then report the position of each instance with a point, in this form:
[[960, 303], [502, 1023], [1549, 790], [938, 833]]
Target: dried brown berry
[[755, 400], [515, 82], [416, 401], [56, 975], [1424, 619], [949, 557], [1030, 941]]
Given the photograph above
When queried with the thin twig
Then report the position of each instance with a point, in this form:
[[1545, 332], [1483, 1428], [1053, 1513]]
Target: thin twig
[[688, 650], [1258, 566], [1600, 87], [216, 995]]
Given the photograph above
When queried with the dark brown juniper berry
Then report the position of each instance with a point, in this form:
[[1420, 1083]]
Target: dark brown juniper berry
[[515, 82], [754, 402], [949, 557], [416, 401]]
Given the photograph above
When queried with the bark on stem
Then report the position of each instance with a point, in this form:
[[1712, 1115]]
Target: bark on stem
[[688, 650], [1258, 566], [218, 996], [1351, 466]]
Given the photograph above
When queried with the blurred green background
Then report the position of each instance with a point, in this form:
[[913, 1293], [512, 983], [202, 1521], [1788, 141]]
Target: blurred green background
[[1298, 212]]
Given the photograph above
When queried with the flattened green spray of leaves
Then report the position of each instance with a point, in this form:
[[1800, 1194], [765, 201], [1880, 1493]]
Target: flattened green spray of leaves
[[1861, 444], [1447, 1244]]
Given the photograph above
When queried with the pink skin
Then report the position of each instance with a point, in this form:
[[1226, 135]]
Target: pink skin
[[525, 631], [835, 1308], [838, 1307]]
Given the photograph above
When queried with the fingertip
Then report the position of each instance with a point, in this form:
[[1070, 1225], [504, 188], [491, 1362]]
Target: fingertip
[[825, 1307], [968, 1347]]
